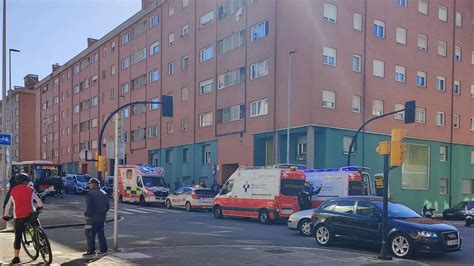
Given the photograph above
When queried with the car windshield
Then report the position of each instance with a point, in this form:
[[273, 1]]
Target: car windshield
[[291, 187], [154, 181], [460, 205], [81, 178], [397, 210]]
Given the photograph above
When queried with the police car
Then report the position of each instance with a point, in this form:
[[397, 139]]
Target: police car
[[190, 198]]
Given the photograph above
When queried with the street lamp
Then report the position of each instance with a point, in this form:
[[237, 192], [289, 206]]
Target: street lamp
[[10, 66], [289, 107]]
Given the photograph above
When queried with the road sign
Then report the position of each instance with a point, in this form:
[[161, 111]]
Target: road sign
[[85, 155], [5, 139]]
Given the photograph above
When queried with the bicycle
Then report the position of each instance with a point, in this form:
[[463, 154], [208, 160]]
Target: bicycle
[[35, 241]]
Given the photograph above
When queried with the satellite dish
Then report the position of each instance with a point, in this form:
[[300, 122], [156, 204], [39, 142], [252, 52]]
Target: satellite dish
[[85, 155]]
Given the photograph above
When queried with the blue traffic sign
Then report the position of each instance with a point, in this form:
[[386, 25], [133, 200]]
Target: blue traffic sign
[[5, 139]]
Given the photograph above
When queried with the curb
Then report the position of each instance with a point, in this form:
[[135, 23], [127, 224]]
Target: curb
[[59, 226]]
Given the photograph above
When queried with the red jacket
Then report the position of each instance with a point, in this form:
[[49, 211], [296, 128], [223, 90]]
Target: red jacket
[[22, 197]]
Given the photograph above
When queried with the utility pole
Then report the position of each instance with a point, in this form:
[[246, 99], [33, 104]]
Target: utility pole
[[289, 108], [3, 224], [118, 137]]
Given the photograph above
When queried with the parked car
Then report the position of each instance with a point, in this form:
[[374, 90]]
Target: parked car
[[190, 198], [359, 219], [469, 213], [301, 221], [108, 185], [456, 212], [76, 183]]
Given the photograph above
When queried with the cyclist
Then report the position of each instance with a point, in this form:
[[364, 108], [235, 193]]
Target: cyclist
[[22, 197]]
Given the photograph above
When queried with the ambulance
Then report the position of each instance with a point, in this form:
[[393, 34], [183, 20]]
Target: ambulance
[[339, 182], [258, 192], [142, 184]]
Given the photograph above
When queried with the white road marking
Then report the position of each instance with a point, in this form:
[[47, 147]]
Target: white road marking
[[223, 227], [195, 223], [151, 210], [124, 212], [137, 211]]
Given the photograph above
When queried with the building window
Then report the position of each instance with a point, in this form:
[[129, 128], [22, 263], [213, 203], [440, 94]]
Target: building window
[[472, 124], [458, 19], [125, 112], [401, 35], [457, 87], [139, 55], [152, 131], [440, 118], [329, 56], [467, 186], [423, 6], [377, 107], [400, 73], [378, 68], [112, 94], [472, 90], [356, 63], [400, 115], [169, 156], [443, 153], [125, 63], [206, 154], [356, 104], [138, 82], [421, 79], [169, 127], [185, 3], [259, 31], [206, 119], [185, 155], [415, 168], [124, 88], [206, 53], [138, 109], [443, 186], [346, 143], [206, 18], [231, 78], [171, 69], [184, 31], [125, 38], [170, 39], [184, 63], [259, 108], [112, 70], [440, 83], [230, 7], [402, 3], [472, 155], [154, 20], [184, 124], [94, 122], [94, 101], [330, 13], [154, 75], [301, 146], [229, 43], [357, 21], [379, 29], [230, 114], [442, 47], [184, 94], [443, 13], [206, 86], [422, 42], [155, 48], [420, 115], [457, 53], [456, 119], [259, 69], [329, 99], [154, 106]]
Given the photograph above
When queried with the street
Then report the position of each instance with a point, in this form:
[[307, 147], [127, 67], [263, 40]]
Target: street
[[157, 235]]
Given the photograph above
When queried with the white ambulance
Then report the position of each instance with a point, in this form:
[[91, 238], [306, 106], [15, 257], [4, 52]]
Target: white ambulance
[[142, 183], [339, 182], [259, 192]]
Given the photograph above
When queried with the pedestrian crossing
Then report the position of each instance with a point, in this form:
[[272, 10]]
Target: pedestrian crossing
[[143, 211]]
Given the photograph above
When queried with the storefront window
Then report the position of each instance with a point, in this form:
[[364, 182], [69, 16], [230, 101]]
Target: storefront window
[[415, 173]]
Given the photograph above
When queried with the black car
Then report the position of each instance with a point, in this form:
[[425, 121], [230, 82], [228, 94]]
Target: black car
[[360, 219], [456, 212]]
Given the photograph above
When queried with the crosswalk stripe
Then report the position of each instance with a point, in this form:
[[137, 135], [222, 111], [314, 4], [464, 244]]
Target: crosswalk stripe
[[124, 212], [137, 211], [151, 210]]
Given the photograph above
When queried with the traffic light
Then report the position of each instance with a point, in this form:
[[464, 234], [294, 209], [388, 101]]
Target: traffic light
[[383, 148], [167, 106], [100, 164], [410, 111], [397, 147]]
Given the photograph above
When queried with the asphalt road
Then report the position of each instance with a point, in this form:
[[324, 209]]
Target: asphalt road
[[154, 226]]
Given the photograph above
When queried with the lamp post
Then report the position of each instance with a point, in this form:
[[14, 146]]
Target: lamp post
[[10, 66], [4, 96], [291, 52]]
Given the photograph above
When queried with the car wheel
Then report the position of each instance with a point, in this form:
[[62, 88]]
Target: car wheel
[[142, 201], [305, 227], [188, 207], [468, 222], [168, 204], [323, 235], [445, 216], [76, 190], [401, 246], [263, 217], [217, 212]]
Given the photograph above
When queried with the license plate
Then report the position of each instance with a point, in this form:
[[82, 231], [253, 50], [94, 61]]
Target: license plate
[[206, 200], [453, 242], [286, 211]]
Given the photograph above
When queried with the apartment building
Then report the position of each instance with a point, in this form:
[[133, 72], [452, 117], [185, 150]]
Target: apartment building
[[226, 64]]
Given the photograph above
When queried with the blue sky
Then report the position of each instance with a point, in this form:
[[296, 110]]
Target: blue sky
[[54, 31]]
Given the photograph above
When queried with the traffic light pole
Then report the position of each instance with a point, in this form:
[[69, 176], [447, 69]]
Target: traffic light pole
[[384, 252]]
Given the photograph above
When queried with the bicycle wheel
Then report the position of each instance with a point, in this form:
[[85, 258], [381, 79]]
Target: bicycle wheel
[[43, 246], [28, 243]]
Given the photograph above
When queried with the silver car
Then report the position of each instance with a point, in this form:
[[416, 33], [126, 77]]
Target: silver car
[[301, 221]]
